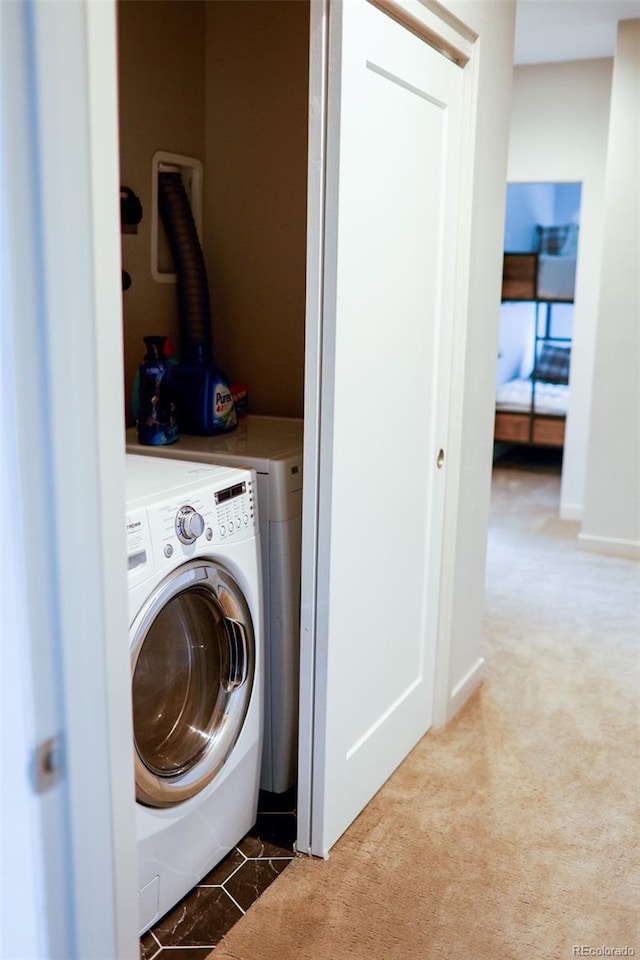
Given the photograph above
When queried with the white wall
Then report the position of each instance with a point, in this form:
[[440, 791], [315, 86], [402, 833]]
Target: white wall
[[612, 508], [515, 341], [526, 206], [475, 359], [559, 129], [567, 203]]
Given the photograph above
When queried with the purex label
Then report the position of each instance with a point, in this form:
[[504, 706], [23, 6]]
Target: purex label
[[224, 411]]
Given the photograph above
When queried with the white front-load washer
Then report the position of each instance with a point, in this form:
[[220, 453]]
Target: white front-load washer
[[273, 447], [195, 641]]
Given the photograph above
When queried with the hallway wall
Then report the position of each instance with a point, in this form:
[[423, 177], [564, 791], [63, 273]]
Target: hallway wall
[[559, 129], [612, 512], [465, 550]]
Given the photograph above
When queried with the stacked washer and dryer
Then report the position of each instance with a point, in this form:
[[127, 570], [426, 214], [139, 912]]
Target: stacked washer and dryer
[[206, 733]]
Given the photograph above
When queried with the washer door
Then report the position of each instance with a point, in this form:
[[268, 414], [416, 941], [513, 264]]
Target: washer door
[[193, 664]]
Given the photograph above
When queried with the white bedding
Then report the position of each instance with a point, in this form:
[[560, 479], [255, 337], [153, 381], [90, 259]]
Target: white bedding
[[556, 278], [515, 396]]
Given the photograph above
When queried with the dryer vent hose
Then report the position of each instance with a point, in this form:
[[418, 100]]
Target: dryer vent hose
[[193, 289]]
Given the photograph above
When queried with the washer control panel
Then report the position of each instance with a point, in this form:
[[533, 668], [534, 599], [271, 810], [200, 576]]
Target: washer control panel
[[208, 516], [205, 510], [234, 508]]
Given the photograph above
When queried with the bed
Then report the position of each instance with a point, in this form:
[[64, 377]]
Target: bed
[[532, 396], [532, 415], [533, 410]]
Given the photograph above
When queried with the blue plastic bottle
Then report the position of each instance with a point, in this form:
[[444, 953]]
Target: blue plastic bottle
[[157, 422], [204, 398]]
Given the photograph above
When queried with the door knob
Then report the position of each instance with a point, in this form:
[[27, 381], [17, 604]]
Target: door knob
[[440, 459]]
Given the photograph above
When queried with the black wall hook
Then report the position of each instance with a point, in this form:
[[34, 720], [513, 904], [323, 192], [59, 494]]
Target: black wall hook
[[130, 207]]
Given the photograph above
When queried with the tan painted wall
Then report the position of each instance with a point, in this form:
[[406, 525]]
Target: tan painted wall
[[225, 82], [162, 107], [255, 195]]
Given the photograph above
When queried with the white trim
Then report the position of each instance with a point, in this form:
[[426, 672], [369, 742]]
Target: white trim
[[102, 67], [324, 383], [77, 422], [191, 173], [31, 825], [465, 687], [571, 511], [434, 24], [32, 666], [441, 700], [611, 546], [318, 53]]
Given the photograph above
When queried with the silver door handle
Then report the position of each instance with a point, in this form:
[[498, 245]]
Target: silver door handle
[[237, 640], [440, 459]]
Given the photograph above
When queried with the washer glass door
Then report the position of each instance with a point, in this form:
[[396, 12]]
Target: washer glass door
[[193, 659]]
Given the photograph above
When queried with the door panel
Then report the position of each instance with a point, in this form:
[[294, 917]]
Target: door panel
[[392, 176]]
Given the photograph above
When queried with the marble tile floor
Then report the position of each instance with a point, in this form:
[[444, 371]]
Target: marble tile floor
[[197, 924]]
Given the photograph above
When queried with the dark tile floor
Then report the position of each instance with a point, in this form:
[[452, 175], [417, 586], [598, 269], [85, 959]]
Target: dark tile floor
[[197, 924]]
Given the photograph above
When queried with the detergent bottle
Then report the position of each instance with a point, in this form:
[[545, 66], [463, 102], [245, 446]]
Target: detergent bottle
[[156, 413]]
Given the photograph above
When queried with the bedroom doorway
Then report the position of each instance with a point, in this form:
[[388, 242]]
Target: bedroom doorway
[[537, 325], [536, 320]]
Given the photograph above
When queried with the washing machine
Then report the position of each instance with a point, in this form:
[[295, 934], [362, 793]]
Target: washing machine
[[195, 642], [272, 446]]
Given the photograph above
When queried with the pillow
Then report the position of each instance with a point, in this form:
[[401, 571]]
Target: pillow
[[552, 364], [559, 240]]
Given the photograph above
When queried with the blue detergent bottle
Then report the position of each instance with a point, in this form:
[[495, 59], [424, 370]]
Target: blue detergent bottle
[[204, 399], [156, 408]]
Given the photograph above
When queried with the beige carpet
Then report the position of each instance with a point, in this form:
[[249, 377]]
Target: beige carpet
[[513, 833]]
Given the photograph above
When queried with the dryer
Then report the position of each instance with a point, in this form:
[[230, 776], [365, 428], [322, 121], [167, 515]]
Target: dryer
[[195, 643], [272, 446]]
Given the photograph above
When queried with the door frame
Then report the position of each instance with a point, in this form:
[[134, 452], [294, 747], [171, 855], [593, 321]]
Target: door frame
[[454, 39]]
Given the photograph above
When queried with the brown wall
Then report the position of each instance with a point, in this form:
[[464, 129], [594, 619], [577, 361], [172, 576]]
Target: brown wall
[[226, 82], [162, 107], [255, 195]]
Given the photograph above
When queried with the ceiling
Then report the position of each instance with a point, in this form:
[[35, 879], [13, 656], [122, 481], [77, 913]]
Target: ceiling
[[552, 30]]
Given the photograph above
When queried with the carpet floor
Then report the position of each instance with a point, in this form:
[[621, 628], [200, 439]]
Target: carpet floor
[[513, 832]]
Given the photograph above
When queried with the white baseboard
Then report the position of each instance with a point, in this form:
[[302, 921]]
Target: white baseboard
[[611, 546], [465, 687], [571, 511]]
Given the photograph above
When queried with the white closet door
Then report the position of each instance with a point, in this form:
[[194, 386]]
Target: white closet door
[[393, 145]]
